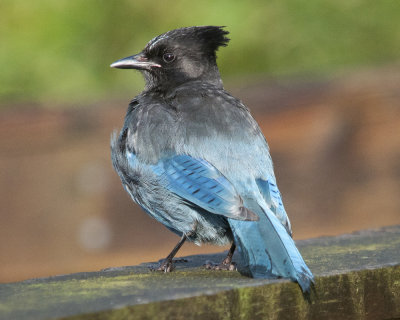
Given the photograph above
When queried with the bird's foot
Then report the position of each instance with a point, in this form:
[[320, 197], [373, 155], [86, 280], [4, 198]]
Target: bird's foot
[[228, 266], [164, 266], [167, 265]]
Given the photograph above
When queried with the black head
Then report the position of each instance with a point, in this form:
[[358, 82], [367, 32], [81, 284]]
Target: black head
[[179, 56]]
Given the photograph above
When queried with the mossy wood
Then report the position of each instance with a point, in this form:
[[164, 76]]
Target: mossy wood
[[357, 277]]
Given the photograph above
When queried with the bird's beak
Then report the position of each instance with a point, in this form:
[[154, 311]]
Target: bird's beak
[[138, 61]]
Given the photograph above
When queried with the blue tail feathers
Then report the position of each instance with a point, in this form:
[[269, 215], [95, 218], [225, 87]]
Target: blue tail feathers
[[268, 250]]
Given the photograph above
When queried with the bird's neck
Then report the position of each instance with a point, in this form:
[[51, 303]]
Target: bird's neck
[[166, 90], [212, 77], [166, 84]]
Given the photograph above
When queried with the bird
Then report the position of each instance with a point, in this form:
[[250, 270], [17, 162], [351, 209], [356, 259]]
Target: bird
[[193, 157]]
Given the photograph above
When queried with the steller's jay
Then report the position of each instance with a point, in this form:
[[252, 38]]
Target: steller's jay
[[192, 156]]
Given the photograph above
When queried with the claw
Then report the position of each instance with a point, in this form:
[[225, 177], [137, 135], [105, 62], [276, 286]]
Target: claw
[[166, 266], [209, 265]]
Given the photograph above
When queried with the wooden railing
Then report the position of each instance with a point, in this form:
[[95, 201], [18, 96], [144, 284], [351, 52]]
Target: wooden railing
[[357, 277]]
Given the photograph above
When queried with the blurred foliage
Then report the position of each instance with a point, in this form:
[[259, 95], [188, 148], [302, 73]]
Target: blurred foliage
[[60, 50]]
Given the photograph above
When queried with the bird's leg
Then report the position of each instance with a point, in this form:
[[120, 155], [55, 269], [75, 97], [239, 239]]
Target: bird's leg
[[167, 265], [226, 264], [228, 259]]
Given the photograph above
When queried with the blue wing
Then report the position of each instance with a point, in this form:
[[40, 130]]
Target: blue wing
[[200, 183]]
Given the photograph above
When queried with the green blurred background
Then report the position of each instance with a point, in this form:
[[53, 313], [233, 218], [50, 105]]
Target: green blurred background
[[322, 78], [59, 51]]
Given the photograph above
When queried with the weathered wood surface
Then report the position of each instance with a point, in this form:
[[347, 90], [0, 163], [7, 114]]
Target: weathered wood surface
[[357, 277]]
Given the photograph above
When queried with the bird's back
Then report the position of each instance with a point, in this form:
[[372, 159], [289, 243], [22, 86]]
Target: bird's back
[[205, 122]]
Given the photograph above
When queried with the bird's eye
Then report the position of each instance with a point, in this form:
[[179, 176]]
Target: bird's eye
[[168, 57]]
